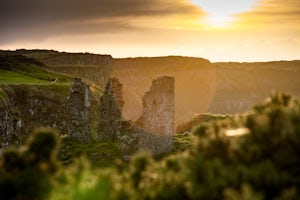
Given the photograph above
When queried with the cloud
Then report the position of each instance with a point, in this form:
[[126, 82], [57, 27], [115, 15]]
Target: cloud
[[274, 13], [19, 19]]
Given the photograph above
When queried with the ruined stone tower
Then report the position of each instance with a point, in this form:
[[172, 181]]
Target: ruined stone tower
[[158, 108], [111, 105], [78, 106]]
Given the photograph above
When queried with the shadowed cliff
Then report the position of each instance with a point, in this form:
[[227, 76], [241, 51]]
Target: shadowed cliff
[[241, 85]]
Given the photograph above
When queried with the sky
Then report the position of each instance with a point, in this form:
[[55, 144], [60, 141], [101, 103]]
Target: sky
[[218, 30]]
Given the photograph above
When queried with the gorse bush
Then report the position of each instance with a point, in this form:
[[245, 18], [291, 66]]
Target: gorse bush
[[26, 174], [262, 164], [260, 161]]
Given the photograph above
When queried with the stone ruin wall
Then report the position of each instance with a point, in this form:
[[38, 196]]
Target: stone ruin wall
[[155, 128], [158, 107], [78, 107], [110, 111]]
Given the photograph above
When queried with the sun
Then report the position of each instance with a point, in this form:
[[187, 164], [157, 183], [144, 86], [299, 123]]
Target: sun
[[221, 13]]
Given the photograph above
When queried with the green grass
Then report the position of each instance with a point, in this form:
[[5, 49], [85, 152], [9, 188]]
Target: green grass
[[182, 142], [23, 70], [101, 154], [12, 77]]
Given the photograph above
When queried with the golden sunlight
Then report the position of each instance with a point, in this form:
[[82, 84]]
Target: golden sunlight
[[220, 13]]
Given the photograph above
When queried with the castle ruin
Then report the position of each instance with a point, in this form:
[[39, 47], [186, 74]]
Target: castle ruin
[[110, 111], [78, 107], [158, 108]]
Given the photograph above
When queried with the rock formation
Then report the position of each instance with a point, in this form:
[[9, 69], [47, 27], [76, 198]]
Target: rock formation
[[26, 107], [111, 105], [6, 128], [78, 106]]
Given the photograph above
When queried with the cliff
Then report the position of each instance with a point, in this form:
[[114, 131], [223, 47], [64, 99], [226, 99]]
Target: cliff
[[241, 85], [93, 67]]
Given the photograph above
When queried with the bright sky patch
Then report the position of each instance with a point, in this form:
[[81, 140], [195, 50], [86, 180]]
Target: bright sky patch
[[221, 12]]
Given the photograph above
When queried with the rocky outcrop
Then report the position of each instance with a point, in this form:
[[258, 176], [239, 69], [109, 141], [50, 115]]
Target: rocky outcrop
[[78, 107], [73, 112], [110, 116], [24, 108], [12, 132], [6, 128]]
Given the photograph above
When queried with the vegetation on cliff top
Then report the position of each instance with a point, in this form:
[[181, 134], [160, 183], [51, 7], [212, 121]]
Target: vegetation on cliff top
[[19, 69], [261, 163]]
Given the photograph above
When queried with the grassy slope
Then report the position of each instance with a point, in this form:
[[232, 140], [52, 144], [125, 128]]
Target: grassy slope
[[16, 78], [101, 154], [18, 69]]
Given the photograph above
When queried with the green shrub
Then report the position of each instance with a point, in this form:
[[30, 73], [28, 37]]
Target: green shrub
[[27, 174]]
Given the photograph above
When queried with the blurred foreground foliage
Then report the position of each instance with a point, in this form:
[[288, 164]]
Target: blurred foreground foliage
[[260, 162], [27, 173]]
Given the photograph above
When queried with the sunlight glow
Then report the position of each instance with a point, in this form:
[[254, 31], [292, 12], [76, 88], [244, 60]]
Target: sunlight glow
[[237, 132], [222, 12]]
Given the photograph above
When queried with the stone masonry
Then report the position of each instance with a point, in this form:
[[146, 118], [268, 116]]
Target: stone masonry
[[155, 128], [78, 106], [158, 108], [111, 105]]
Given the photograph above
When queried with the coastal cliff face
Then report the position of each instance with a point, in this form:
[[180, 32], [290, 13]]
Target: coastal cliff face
[[195, 83], [241, 85], [95, 68]]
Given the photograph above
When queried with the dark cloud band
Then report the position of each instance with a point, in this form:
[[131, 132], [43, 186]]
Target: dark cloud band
[[34, 16]]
